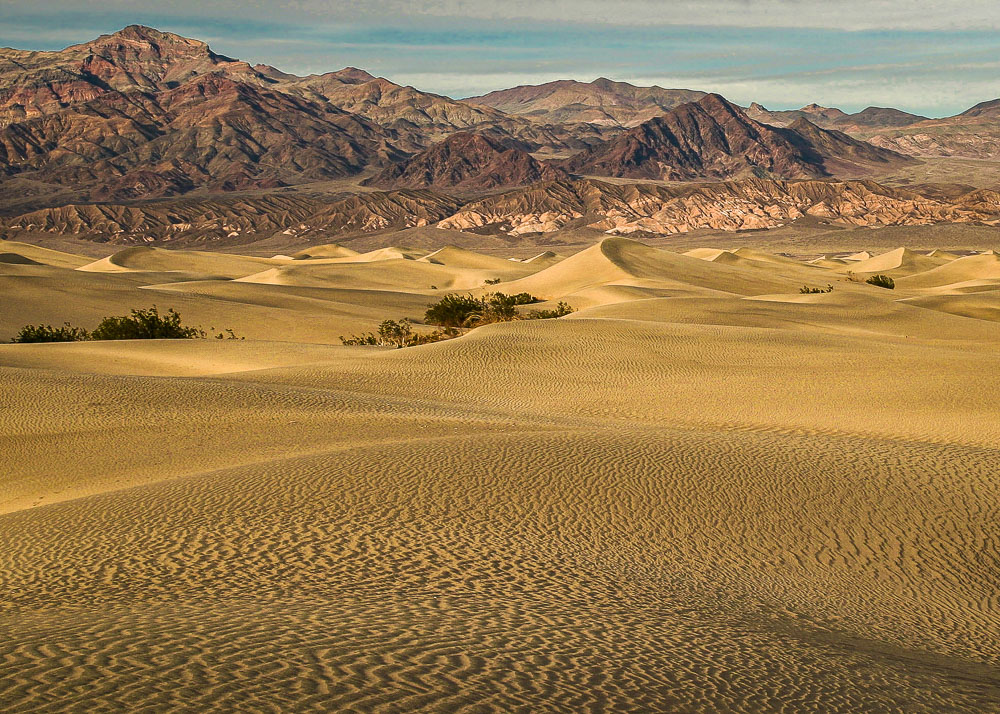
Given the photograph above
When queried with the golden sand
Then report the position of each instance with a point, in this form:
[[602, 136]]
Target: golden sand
[[701, 492]]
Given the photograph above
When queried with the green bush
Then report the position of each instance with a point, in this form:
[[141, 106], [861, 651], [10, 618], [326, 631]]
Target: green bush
[[145, 325], [139, 325], [562, 309], [453, 313], [398, 334], [525, 299], [496, 307], [227, 335], [882, 281], [47, 333], [467, 311], [806, 290], [453, 310]]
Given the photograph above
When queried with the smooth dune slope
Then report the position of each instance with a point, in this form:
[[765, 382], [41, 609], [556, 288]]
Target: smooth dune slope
[[390, 253], [327, 250], [980, 305], [970, 267], [43, 295], [389, 274], [620, 261], [16, 252], [461, 258], [703, 491], [543, 259], [141, 258], [899, 262]]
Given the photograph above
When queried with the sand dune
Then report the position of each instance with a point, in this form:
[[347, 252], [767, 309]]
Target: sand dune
[[388, 274], [141, 258], [839, 312], [825, 262], [543, 259], [899, 262], [710, 254], [704, 491], [391, 253], [327, 250], [45, 295], [964, 287], [620, 261], [173, 358], [971, 267], [943, 254], [35, 254], [17, 259], [749, 258], [460, 258], [764, 257], [977, 305]]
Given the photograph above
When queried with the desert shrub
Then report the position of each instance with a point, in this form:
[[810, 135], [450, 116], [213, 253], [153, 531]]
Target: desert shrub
[[806, 290], [145, 325], [453, 310], [452, 313], [362, 340], [492, 281], [227, 334], [525, 299], [392, 333], [854, 277], [496, 307], [47, 333], [882, 281], [467, 311], [562, 309], [139, 325]]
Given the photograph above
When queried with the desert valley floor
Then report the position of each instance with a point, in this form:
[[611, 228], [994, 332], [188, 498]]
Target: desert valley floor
[[702, 491]]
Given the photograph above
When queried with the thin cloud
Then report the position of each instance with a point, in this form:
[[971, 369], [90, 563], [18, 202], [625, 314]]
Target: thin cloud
[[784, 53], [823, 14]]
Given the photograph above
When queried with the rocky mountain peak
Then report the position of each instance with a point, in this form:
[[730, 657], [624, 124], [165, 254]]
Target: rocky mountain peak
[[466, 161]]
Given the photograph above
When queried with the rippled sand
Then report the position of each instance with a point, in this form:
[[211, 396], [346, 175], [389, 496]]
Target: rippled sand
[[701, 492]]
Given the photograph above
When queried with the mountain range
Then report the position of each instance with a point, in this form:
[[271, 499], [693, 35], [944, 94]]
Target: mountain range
[[467, 161], [140, 114], [143, 113], [713, 138], [534, 213], [833, 118], [599, 102]]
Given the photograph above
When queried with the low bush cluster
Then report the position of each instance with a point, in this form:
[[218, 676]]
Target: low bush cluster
[[453, 313], [146, 324], [882, 281], [562, 309], [393, 333], [48, 333], [455, 310], [806, 290]]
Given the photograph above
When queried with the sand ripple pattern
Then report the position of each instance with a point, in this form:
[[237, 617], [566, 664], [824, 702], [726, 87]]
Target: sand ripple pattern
[[703, 491], [584, 571]]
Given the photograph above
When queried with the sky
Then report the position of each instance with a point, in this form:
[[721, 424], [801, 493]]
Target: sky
[[935, 58]]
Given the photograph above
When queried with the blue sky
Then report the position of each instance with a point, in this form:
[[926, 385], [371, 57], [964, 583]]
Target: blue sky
[[932, 58]]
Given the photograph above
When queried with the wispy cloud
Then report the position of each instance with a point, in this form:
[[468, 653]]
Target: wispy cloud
[[821, 14], [933, 58]]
